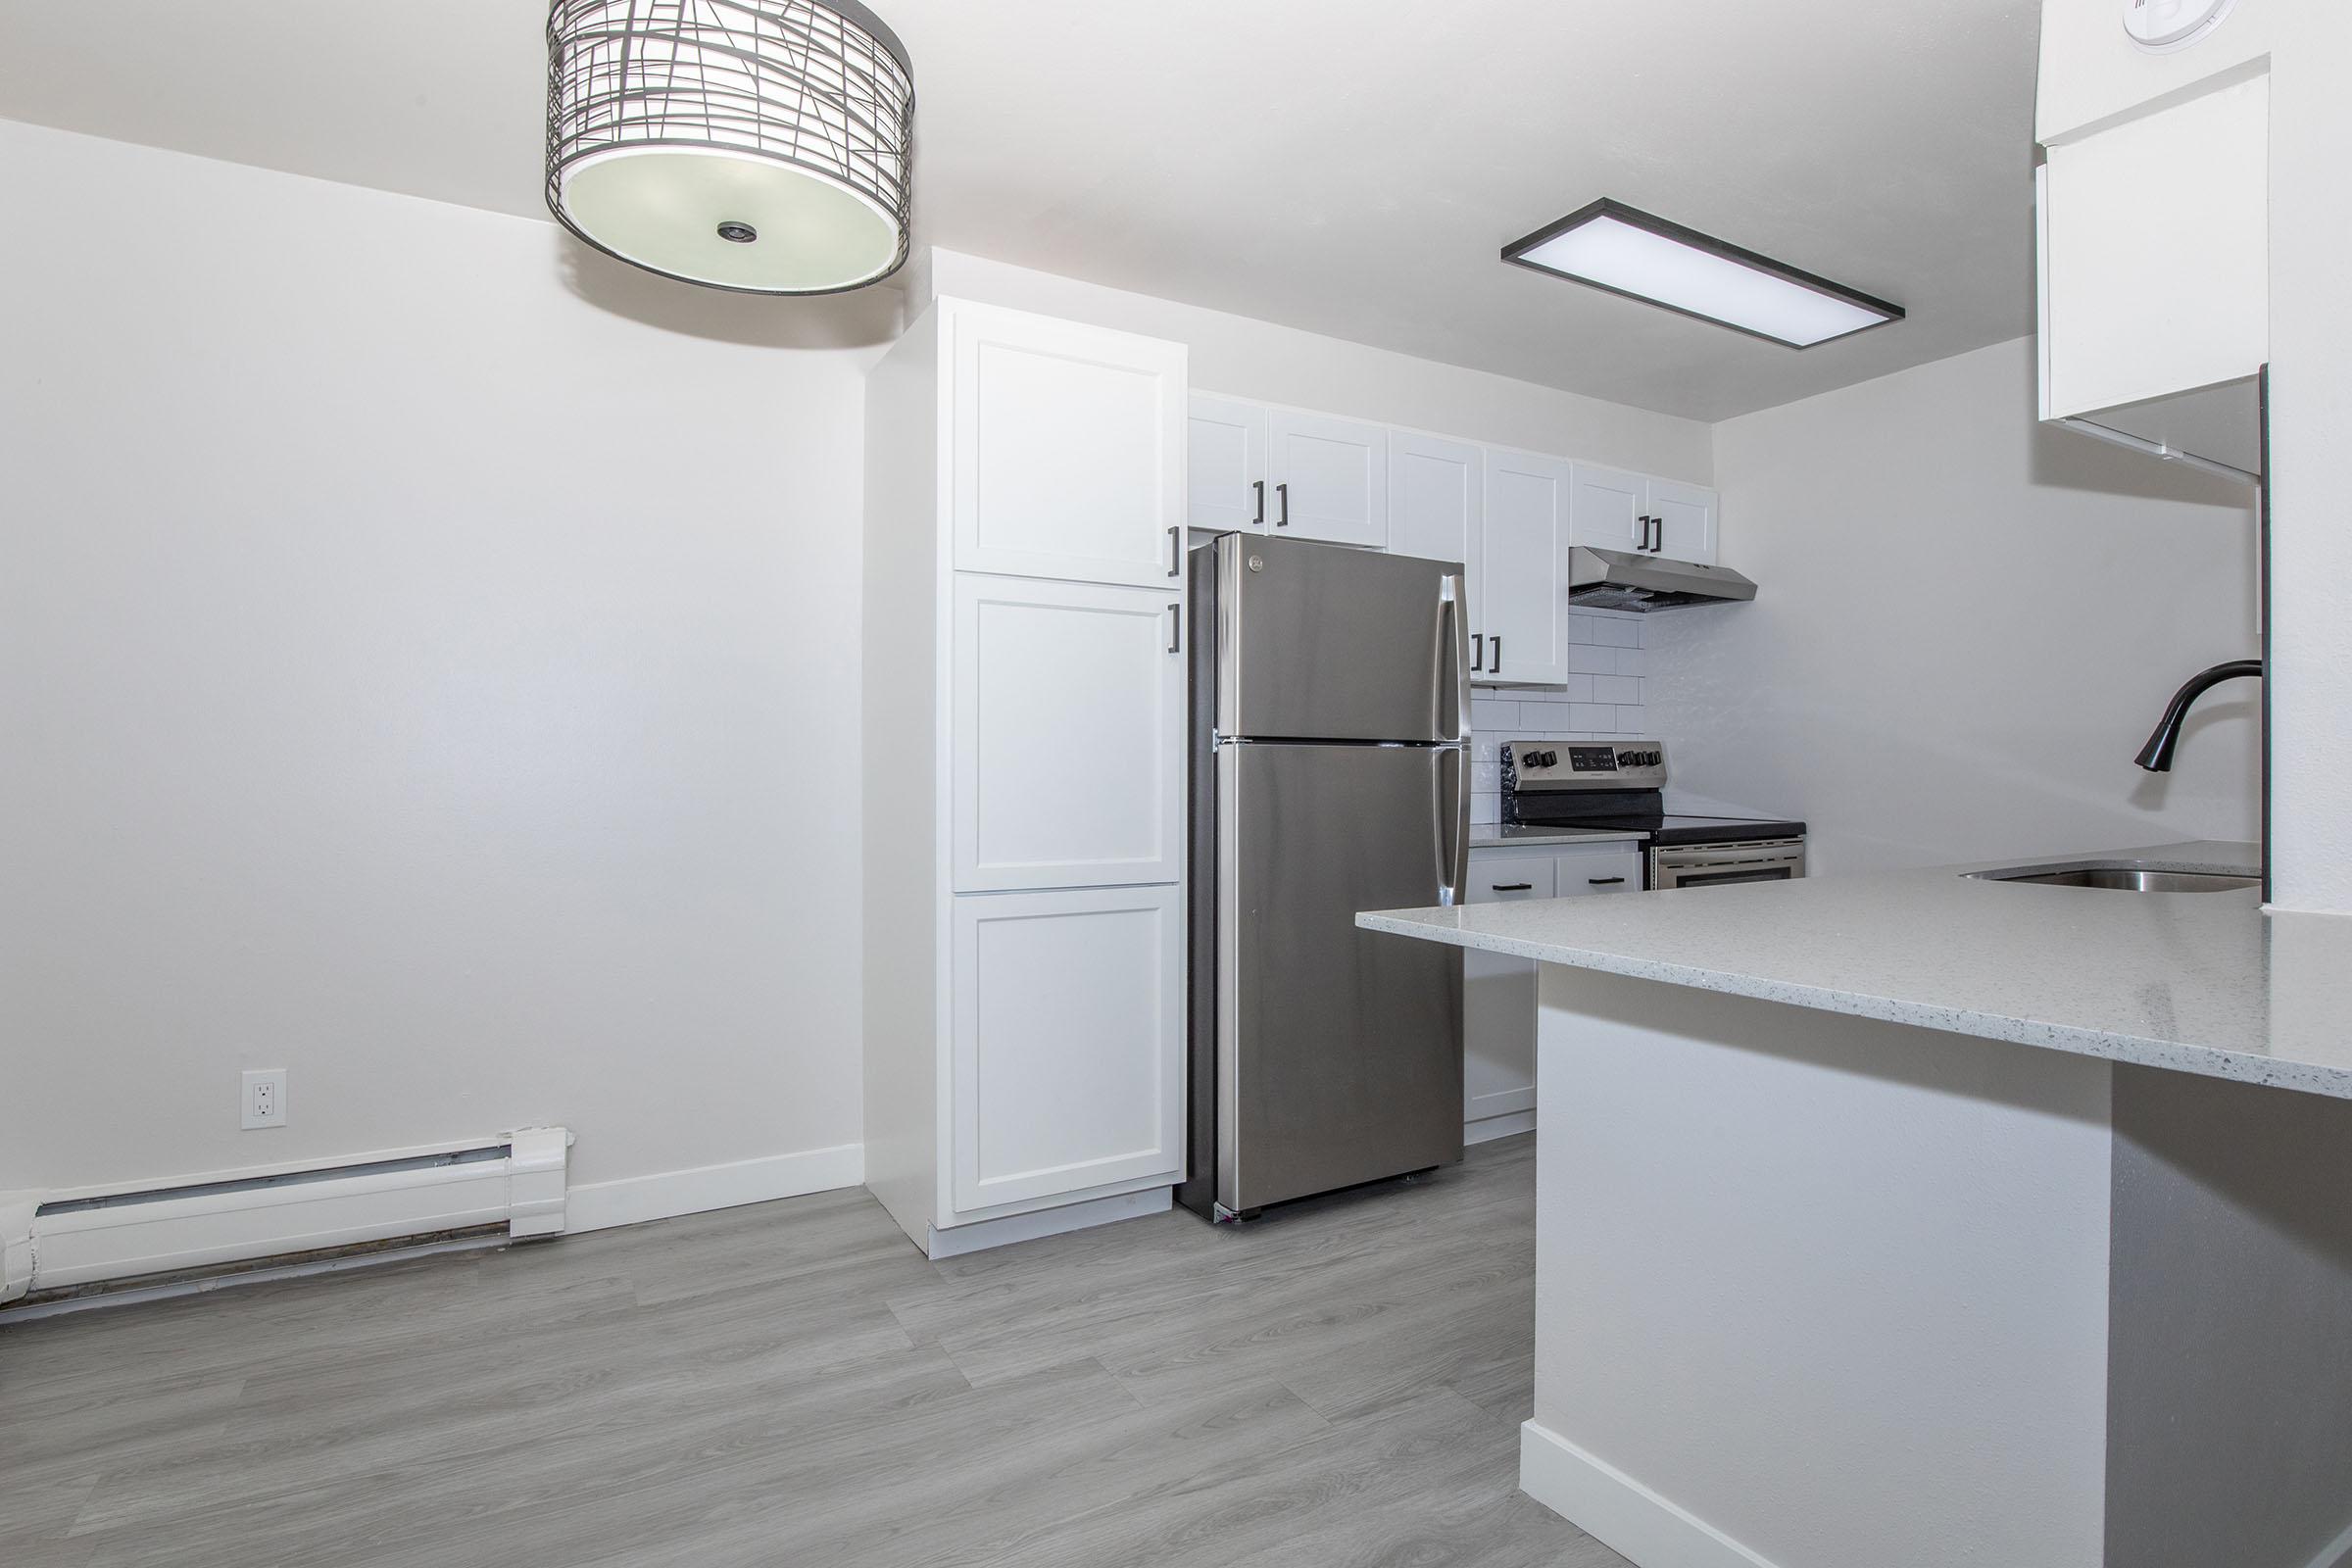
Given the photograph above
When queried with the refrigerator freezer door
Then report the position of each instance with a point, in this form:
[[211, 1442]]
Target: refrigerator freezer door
[[1338, 1051], [1321, 642]]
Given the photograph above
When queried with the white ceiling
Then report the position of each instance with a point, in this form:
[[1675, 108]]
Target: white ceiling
[[1351, 169]]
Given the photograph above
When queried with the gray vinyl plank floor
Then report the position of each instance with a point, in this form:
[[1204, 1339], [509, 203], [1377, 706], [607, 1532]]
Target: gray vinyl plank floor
[[793, 1384]]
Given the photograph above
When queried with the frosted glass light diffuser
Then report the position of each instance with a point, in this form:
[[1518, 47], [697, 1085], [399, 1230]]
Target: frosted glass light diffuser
[[758, 145], [1614, 247]]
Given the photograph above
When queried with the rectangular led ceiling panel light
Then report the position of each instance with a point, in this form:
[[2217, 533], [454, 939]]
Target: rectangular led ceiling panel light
[[1611, 246]]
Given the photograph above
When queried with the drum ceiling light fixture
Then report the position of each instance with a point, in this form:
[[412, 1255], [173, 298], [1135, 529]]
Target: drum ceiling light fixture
[[756, 145]]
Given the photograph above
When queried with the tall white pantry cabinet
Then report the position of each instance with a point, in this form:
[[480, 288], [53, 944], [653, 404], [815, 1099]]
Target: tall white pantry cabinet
[[1024, 786]]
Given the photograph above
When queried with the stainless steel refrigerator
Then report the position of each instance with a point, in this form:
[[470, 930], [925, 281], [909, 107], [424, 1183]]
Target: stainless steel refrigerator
[[1330, 774]]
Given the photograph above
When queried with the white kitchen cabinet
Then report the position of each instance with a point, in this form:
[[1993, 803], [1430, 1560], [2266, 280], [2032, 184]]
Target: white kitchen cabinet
[[1067, 734], [1520, 636], [1225, 465], [1329, 478], [1066, 446], [2154, 277], [1609, 509], [1067, 1043], [1021, 777], [1615, 510], [1436, 501], [1685, 527], [1498, 992]]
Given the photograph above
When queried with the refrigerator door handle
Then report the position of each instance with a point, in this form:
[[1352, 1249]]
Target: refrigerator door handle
[[1454, 592], [1453, 826]]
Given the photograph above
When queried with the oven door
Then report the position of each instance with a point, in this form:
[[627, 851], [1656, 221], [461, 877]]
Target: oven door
[[1715, 865]]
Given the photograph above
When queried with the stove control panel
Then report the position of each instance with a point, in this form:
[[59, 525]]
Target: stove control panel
[[1583, 764]]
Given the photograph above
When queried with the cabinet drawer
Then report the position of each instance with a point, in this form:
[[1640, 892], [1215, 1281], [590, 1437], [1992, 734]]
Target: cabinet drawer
[[1605, 869], [1509, 878]]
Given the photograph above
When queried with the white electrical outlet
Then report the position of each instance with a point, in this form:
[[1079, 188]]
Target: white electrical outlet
[[265, 1098]]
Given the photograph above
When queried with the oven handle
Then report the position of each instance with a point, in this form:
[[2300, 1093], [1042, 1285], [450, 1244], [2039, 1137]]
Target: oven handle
[[1774, 852], [1667, 866]]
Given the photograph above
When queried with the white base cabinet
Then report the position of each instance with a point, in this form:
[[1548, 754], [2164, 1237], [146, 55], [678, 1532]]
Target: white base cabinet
[[1068, 1042], [1498, 992], [1023, 756]]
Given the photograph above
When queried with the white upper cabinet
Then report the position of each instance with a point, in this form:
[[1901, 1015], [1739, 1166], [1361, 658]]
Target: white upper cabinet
[[1226, 465], [1066, 447], [1615, 510], [1069, 734], [1520, 627], [1611, 509], [1067, 1043], [1684, 520], [1437, 498], [1329, 477]]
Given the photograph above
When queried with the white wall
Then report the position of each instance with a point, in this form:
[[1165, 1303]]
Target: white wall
[[1967, 624], [427, 663], [1242, 358]]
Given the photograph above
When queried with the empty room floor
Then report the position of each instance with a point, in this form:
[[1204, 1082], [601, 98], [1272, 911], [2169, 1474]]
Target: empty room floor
[[793, 1383]]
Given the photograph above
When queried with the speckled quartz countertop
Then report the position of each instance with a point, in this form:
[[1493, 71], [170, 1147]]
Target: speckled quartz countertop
[[2197, 982], [1519, 835]]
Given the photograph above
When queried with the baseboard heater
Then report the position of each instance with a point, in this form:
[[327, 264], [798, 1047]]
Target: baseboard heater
[[69, 1245]]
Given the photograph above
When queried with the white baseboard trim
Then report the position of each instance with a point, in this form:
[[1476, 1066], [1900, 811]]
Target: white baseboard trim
[[1487, 1129], [1501, 1103], [981, 1235], [667, 1195], [1620, 1512]]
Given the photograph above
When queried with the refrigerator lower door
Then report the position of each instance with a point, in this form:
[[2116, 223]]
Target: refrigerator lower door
[[1338, 1051]]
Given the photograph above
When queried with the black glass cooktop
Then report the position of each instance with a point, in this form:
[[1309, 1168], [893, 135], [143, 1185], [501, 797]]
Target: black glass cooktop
[[1669, 829]]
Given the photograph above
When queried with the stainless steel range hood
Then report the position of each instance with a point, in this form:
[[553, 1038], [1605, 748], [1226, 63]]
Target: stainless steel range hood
[[1625, 579]]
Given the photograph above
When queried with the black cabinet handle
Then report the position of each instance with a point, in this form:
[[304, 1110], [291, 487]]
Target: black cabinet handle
[[1282, 493], [1478, 649], [1175, 629], [1498, 669], [1259, 485], [1604, 881], [1175, 551], [1514, 887]]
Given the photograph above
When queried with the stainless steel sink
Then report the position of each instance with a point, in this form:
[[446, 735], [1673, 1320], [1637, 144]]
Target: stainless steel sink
[[2126, 876]]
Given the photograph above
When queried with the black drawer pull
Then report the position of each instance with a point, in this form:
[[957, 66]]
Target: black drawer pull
[[1514, 887], [1604, 881]]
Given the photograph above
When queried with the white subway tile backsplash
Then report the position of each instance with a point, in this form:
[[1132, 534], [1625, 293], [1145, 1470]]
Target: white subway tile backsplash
[[1619, 631], [1577, 689], [1592, 660], [1486, 777], [1630, 661], [1616, 689], [1485, 809], [1485, 749], [1594, 718], [1630, 719], [1580, 629], [1487, 712]]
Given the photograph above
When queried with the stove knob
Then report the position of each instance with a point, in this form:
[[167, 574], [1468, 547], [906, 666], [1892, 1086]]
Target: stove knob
[[1552, 758]]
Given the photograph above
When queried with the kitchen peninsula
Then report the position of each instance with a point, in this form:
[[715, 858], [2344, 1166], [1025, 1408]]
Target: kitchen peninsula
[[1928, 1218]]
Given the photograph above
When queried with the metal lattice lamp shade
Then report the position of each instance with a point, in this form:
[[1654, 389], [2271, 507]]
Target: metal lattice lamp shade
[[759, 145]]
